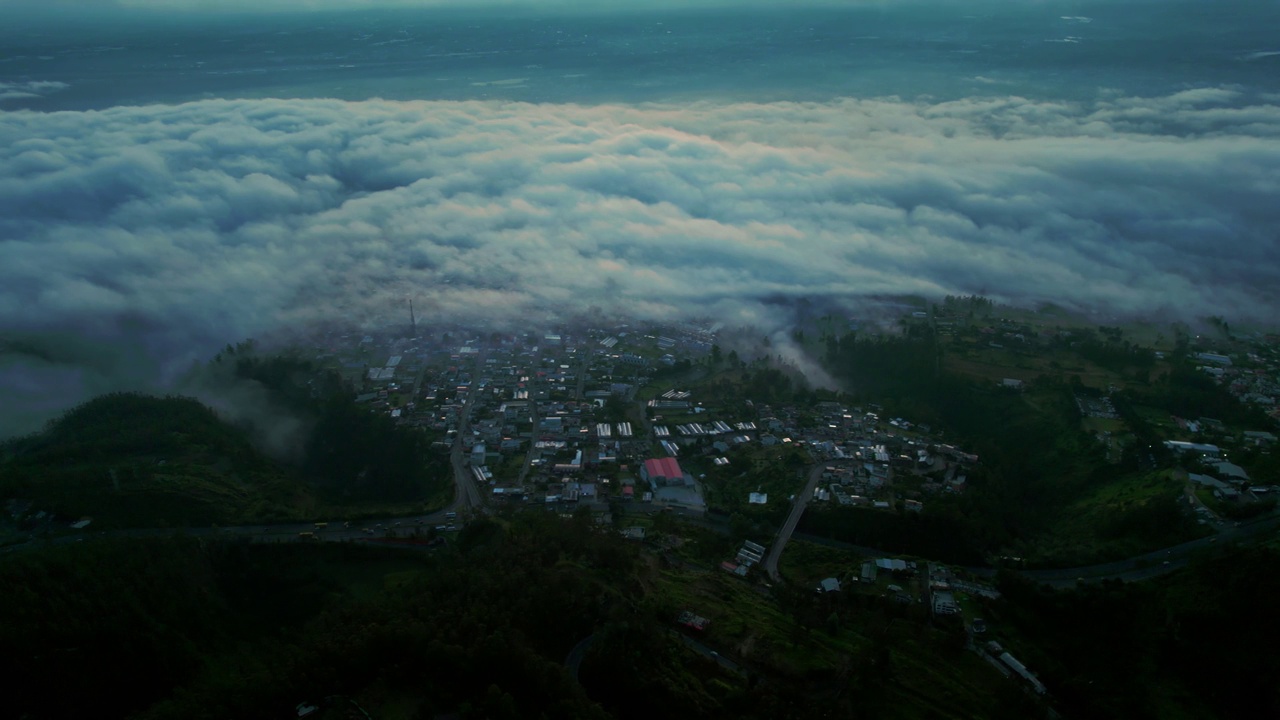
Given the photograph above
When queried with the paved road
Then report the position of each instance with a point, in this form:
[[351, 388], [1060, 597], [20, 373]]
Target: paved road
[[337, 531], [788, 527], [533, 439], [707, 652], [1153, 563], [1141, 567], [583, 364], [468, 495], [574, 661]]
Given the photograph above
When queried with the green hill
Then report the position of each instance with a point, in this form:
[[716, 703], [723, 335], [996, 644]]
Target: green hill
[[128, 459]]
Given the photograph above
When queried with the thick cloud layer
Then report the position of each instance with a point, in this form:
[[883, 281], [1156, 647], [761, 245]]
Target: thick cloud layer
[[180, 228]]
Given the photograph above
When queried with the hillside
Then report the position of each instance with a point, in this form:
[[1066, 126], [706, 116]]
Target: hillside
[[136, 460], [485, 627], [478, 629]]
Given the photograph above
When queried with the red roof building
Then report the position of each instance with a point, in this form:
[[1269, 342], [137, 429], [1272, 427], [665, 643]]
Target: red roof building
[[662, 471]]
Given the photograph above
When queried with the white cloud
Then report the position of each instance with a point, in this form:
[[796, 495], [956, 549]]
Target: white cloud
[[184, 227], [29, 89]]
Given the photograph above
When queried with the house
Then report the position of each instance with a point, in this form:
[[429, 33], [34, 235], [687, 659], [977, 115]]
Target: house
[[1208, 481], [749, 554], [514, 410], [1214, 358], [868, 572], [1204, 449], [692, 621], [1259, 437], [1231, 471], [944, 603], [829, 585]]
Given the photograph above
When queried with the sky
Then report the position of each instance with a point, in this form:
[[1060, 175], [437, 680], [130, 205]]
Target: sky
[[139, 236], [285, 6]]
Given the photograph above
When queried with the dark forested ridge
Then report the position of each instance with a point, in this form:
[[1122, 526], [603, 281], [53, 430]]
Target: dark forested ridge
[[481, 628], [136, 460], [1199, 644], [132, 459], [191, 629], [1039, 489], [349, 455]]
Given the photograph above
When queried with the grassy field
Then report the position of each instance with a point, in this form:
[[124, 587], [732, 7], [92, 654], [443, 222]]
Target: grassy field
[[1112, 521], [807, 563], [993, 365], [927, 674], [778, 471], [748, 624], [1096, 425], [1157, 417]]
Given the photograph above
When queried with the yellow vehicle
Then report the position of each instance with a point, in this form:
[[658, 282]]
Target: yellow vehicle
[[322, 525]]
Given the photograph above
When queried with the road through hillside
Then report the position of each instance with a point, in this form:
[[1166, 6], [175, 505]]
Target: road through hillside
[[788, 527]]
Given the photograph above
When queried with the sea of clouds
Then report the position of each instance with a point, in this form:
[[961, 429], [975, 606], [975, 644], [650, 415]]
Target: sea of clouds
[[135, 240]]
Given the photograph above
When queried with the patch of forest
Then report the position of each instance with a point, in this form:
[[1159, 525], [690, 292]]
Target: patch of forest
[[1035, 460], [480, 629], [136, 460], [129, 459], [1197, 644]]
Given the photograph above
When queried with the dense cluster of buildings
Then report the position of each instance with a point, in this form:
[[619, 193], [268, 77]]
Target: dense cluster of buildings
[[1250, 371], [544, 417], [555, 418]]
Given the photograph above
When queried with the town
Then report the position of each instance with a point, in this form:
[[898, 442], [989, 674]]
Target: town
[[710, 452]]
